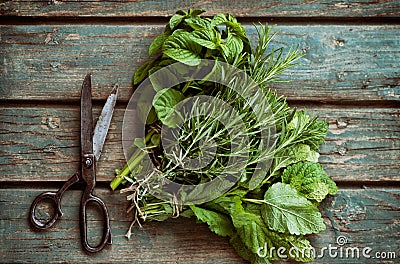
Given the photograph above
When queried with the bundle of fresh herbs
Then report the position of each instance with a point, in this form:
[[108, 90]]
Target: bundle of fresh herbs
[[261, 209]]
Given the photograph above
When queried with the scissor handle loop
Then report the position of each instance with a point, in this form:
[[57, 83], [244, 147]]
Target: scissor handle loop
[[106, 239], [54, 197]]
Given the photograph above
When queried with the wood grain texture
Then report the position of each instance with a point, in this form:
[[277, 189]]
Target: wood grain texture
[[341, 62], [251, 8], [367, 217], [42, 143]]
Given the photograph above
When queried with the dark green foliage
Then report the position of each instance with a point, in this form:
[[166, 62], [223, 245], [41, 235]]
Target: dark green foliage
[[264, 209]]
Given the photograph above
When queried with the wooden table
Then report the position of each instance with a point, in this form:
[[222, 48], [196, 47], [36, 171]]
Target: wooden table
[[350, 75]]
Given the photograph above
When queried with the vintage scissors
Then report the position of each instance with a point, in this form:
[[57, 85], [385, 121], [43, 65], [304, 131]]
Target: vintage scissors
[[91, 146]]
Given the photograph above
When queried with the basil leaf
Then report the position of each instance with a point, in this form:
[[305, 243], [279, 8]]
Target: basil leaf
[[198, 23], [206, 37], [164, 102], [157, 43], [285, 210], [235, 44], [218, 20], [179, 46], [162, 79], [142, 71], [175, 20]]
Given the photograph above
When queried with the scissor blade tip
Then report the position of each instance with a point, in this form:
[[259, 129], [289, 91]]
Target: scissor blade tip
[[115, 89]]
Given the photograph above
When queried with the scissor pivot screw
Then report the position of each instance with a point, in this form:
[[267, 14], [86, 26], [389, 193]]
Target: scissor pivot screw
[[88, 161]]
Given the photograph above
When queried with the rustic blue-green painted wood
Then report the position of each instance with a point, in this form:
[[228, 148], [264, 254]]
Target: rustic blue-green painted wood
[[348, 57], [42, 143], [367, 217], [341, 63], [251, 8]]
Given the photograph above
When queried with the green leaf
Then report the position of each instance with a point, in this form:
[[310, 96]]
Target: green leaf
[[237, 29], [196, 12], [162, 79], [226, 52], [146, 112], [175, 20], [198, 23], [227, 204], [179, 46], [142, 71], [206, 37], [251, 230], [309, 179], [164, 103], [235, 44], [157, 43], [318, 192], [294, 154], [218, 20], [245, 253], [297, 247], [285, 210], [218, 223]]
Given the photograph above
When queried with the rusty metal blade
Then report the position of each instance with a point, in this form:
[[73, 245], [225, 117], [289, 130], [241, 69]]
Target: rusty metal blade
[[86, 117], [103, 124]]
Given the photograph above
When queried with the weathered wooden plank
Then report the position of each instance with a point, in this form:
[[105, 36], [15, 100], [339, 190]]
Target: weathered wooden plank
[[342, 62], [366, 217], [252, 8], [42, 143]]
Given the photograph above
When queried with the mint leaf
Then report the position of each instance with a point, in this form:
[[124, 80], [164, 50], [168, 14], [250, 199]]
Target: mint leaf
[[179, 46], [309, 179], [164, 103], [196, 12], [285, 210], [219, 223]]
